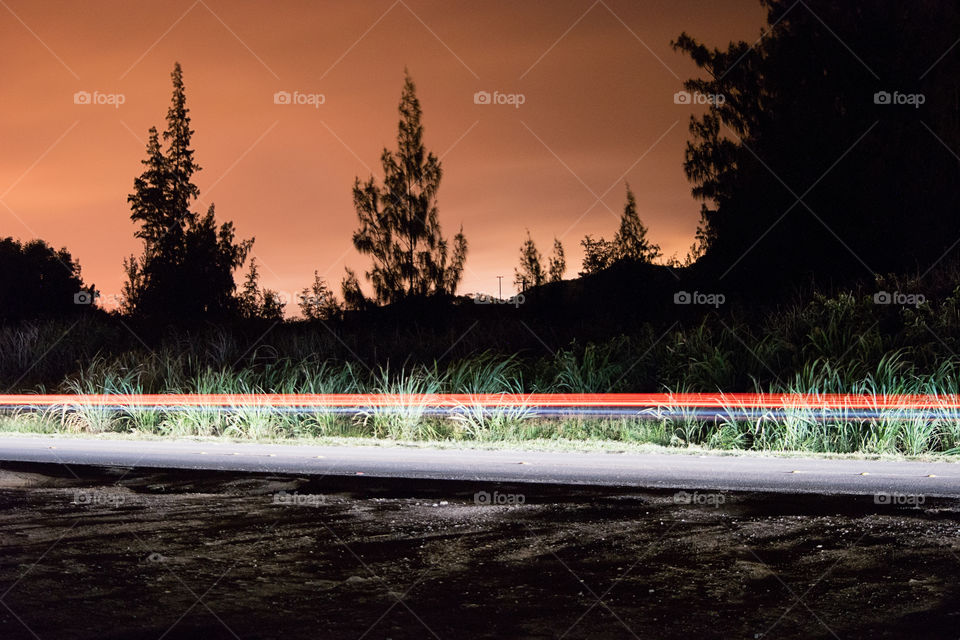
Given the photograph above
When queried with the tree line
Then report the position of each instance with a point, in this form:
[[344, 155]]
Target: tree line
[[188, 262], [629, 245], [811, 169], [833, 155]]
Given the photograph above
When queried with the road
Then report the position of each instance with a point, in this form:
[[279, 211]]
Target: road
[[674, 471]]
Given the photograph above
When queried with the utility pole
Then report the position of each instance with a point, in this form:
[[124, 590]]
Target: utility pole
[[500, 287]]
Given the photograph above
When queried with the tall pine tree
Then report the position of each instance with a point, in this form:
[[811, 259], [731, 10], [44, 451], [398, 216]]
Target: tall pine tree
[[557, 264], [530, 272], [186, 269], [630, 242], [399, 221]]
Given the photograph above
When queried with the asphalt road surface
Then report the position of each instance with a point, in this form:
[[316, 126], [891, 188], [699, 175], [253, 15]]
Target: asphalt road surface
[[676, 471]]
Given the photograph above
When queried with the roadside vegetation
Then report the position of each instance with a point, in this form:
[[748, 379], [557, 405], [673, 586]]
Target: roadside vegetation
[[895, 432], [848, 343]]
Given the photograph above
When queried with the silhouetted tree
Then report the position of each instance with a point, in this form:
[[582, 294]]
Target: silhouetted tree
[[630, 242], [597, 255], [36, 280], [807, 161], [318, 302], [530, 273], [399, 223], [257, 302], [250, 296], [353, 298], [272, 306], [188, 261], [557, 264]]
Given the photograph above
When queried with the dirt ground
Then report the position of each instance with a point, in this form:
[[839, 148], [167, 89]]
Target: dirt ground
[[119, 553]]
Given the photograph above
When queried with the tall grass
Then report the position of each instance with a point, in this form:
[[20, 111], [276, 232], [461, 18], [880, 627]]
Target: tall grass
[[792, 428], [842, 344]]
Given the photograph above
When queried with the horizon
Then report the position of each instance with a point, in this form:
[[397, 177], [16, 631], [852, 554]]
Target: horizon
[[556, 163]]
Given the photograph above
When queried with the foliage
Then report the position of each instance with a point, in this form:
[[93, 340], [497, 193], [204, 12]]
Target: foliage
[[813, 161], [197, 366], [630, 242], [597, 255], [257, 302], [530, 272], [318, 302], [186, 269], [38, 281], [557, 264], [399, 221], [353, 298]]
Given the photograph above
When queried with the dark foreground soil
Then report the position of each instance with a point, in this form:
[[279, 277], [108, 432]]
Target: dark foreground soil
[[115, 553]]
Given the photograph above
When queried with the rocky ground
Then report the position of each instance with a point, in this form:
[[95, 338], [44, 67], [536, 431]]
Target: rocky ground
[[120, 553]]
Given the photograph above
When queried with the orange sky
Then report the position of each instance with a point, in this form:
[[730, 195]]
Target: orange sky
[[598, 110]]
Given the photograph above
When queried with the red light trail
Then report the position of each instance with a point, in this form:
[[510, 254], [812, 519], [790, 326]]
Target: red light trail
[[621, 404]]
